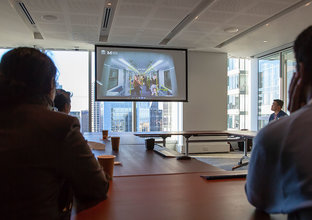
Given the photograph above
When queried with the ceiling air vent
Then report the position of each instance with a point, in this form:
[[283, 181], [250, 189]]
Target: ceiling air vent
[[23, 12], [106, 17], [193, 15], [108, 14]]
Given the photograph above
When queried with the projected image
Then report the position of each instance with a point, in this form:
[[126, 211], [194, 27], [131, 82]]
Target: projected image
[[138, 75]]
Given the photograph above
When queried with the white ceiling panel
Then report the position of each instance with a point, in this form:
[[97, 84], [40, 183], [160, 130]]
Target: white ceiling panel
[[57, 35], [128, 22], [38, 18], [172, 13], [215, 17], [53, 28], [83, 6], [134, 10], [84, 19], [126, 31], [235, 6], [246, 20], [181, 3], [148, 22], [267, 8], [142, 2], [161, 24], [201, 27], [43, 5]]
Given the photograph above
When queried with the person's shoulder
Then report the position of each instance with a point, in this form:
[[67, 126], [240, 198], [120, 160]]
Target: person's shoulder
[[273, 131], [282, 113], [280, 126], [52, 118]]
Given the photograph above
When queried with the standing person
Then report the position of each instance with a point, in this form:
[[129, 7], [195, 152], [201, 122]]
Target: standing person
[[279, 178], [62, 101], [154, 85], [145, 83], [277, 106], [40, 148], [137, 86]]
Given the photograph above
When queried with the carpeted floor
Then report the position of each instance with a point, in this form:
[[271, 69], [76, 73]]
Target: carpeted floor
[[222, 160]]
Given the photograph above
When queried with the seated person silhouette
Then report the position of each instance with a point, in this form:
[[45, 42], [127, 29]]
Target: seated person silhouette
[[62, 101], [40, 149], [279, 177], [277, 106]]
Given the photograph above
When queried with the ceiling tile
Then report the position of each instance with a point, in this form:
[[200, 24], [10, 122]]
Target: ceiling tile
[[267, 8], [180, 3], [85, 7], [231, 5], [43, 5], [200, 27], [215, 17], [122, 21], [134, 10], [162, 24], [52, 28], [172, 13], [247, 20], [84, 20]]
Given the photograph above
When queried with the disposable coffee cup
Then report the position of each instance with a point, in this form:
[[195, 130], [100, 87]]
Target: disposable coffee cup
[[107, 163], [115, 143], [105, 134]]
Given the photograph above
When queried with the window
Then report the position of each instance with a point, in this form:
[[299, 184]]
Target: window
[[113, 78], [268, 86], [157, 116], [73, 76], [167, 79], [289, 69], [274, 76], [2, 52], [237, 94], [117, 116]]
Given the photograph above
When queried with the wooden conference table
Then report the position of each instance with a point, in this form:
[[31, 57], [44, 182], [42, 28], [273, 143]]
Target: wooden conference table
[[136, 160], [167, 188], [175, 197], [230, 136]]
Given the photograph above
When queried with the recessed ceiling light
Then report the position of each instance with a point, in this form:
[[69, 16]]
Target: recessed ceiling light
[[231, 30], [109, 3], [307, 4], [49, 17], [267, 24], [265, 41]]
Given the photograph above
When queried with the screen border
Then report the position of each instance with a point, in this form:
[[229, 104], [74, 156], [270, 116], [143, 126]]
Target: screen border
[[140, 100]]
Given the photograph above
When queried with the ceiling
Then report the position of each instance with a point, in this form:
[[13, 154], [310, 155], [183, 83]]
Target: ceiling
[[76, 24]]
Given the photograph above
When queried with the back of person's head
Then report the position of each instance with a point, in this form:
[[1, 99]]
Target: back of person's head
[[62, 100], [279, 102], [26, 76], [303, 50]]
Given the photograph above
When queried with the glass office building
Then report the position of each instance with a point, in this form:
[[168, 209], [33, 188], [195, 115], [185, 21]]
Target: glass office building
[[237, 93], [274, 75]]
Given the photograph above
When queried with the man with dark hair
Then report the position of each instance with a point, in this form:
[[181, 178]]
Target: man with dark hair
[[280, 173], [62, 101], [277, 106]]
